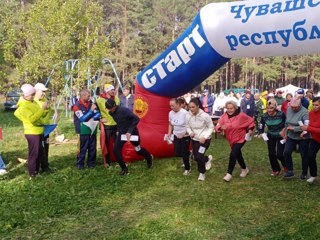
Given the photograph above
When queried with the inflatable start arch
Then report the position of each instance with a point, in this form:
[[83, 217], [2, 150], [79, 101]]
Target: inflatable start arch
[[220, 31]]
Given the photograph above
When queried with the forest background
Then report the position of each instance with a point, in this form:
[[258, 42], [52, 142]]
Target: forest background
[[37, 35]]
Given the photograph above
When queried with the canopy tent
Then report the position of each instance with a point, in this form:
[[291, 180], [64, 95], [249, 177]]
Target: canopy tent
[[289, 89]]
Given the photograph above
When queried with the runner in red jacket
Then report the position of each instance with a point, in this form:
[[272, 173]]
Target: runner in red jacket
[[236, 125]]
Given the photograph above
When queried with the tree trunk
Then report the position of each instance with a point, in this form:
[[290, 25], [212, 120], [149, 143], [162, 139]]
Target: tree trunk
[[174, 22], [124, 38]]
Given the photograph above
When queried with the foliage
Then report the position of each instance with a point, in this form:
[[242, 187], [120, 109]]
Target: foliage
[[36, 35], [51, 31]]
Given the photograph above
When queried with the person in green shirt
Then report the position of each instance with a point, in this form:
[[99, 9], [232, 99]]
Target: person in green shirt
[[275, 120]]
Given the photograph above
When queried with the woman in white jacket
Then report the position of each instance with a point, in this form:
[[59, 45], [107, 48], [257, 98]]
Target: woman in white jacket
[[199, 128]]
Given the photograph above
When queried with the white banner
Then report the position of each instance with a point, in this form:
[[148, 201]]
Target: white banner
[[263, 28]]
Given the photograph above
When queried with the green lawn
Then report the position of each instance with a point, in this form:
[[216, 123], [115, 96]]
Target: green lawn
[[159, 203]]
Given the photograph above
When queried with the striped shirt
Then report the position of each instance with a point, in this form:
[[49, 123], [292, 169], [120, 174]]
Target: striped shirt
[[274, 123]]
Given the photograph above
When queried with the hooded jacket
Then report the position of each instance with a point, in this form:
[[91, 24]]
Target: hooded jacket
[[200, 125], [31, 115]]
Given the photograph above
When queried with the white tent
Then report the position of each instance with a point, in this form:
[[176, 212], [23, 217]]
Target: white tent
[[289, 89]]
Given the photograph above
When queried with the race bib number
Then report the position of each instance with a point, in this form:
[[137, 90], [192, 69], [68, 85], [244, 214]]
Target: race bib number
[[202, 149]]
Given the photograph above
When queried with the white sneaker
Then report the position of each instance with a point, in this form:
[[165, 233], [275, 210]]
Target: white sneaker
[[208, 164], [244, 172], [311, 179], [227, 177], [202, 177], [182, 165], [187, 172], [3, 172]]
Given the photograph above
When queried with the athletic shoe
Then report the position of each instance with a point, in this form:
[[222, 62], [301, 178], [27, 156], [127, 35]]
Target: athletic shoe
[[288, 175], [275, 173], [3, 171], [187, 172], [208, 164], [227, 177], [303, 177], [202, 177], [285, 169], [311, 179], [244, 172], [124, 172], [150, 162]]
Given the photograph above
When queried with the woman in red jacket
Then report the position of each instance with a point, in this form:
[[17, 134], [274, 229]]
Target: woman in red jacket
[[285, 104], [235, 125], [314, 146]]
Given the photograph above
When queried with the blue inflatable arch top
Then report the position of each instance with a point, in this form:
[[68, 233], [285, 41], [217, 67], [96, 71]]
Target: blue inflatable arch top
[[222, 31]]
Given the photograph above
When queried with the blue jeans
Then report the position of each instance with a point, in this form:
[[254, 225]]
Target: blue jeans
[[290, 146], [2, 164]]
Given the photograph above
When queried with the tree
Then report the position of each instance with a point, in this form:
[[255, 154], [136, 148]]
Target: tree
[[50, 32]]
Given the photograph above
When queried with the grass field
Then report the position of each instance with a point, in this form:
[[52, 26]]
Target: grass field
[[159, 203]]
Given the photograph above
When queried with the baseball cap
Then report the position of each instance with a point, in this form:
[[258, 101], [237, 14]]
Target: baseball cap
[[27, 89], [108, 87], [40, 87], [300, 91]]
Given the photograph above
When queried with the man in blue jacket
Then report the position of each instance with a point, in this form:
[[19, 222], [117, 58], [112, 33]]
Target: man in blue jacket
[[247, 104], [126, 125]]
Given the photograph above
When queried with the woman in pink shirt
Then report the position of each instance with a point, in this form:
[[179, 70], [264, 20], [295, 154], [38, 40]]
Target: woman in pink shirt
[[235, 125]]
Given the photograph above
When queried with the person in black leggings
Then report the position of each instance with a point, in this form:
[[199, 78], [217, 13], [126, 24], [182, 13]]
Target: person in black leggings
[[127, 123]]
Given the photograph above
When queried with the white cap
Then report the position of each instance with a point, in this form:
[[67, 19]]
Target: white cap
[[108, 87], [27, 89], [40, 87]]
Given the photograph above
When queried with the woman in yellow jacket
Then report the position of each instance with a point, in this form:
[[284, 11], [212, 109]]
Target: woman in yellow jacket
[[31, 115]]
